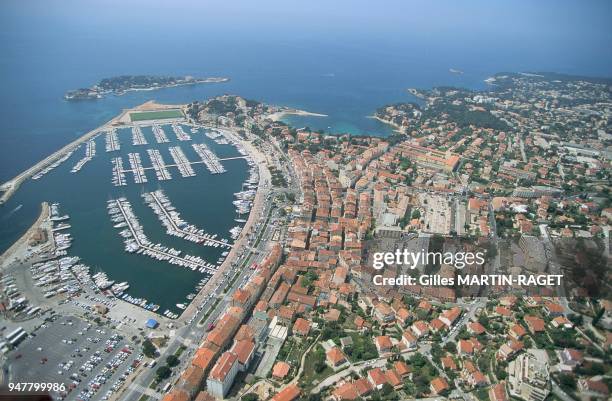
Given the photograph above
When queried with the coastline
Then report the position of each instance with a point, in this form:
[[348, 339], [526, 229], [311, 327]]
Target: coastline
[[153, 88], [11, 186], [279, 115], [396, 128], [14, 249], [103, 93]]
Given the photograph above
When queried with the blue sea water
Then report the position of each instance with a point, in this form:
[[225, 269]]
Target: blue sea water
[[343, 59]]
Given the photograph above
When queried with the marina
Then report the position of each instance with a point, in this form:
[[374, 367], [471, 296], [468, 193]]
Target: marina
[[183, 164], [200, 251], [90, 152], [136, 241], [159, 165], [136, 164], [170, 218], [160, 135], [112, 141], [138, 137], [181, 135], [212, 162]]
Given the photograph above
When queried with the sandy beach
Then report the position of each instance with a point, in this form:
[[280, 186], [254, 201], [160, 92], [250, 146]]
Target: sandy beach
[[396, 127], [279, 115]]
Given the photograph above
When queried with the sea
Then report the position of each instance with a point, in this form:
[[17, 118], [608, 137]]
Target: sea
[[342, 62]]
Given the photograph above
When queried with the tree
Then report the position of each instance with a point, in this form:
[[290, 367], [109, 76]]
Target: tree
[[149, 349], [250, 397], [163, 372], [567, 382], [172, 360], [386, 389]]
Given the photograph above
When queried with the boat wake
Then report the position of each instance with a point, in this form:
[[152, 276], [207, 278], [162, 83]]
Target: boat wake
[[12, 212]]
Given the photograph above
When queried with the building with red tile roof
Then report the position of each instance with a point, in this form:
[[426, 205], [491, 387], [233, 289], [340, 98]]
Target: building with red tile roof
[[244, 351], [401, 368], [377, 378], [222, 375], [476, 328], [177, 395], [288, 393], [449, 316], [420, 328], [301, 327], [203, 358], [383, 344], [438, 385], [497, 392], [335, 357], [534, 324], [280, 370]]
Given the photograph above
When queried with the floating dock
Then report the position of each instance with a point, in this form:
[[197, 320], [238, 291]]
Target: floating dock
[[160, 135], [136, 164], [138, 137], [171, 219], [161, 171], [118, 172], [181, 161], [136, 241], [212, 162], [112, 141], [181, 135], [90, 152]]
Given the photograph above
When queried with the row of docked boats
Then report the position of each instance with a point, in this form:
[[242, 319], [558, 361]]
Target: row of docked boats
[[180, 133], [212, 162], [135, 240], [118, 179], [160, 135], [112, 141], [159, 165], [90, 152], [175, 225], [138, 137], [136, 164], [39, 174], [182, 163]]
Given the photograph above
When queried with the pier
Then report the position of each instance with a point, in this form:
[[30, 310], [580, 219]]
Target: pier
[[160, 135], [161, 204], [157, 251], [190, 162], [159, 165], [138, 137], [181, 161], [181, 135], [209, 158], [90, 152], [118, 172], [139, 175], [112, 142]]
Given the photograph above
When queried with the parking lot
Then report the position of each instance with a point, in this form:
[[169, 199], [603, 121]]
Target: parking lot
[[92, 362]]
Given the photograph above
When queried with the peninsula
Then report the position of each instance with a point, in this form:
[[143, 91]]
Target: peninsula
[[124, 83]]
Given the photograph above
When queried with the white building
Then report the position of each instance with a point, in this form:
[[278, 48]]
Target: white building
[[528, 376], [222, 375]]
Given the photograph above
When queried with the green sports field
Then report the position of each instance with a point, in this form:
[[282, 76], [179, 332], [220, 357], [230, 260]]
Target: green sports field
[[156, 115]]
